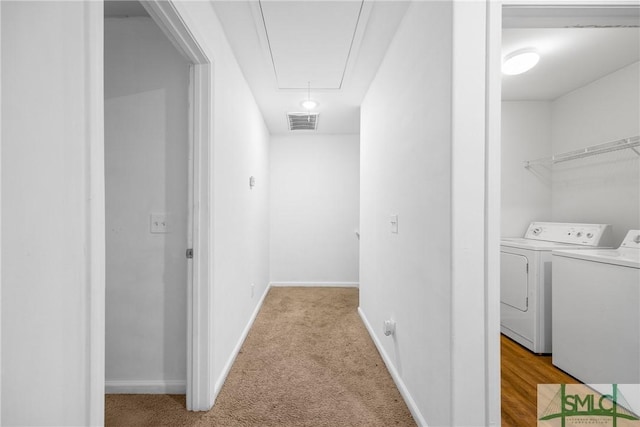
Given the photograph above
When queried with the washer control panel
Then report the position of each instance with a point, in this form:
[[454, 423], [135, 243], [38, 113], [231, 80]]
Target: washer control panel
[[632, 240], [576, 234]]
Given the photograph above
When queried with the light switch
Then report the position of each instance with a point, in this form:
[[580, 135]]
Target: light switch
[[394, 224], [159, 223]]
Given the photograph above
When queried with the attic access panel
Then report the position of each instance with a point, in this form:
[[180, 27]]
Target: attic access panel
[[310, 40]]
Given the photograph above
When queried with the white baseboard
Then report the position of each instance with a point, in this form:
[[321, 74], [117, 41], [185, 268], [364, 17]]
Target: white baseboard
[[232, 358], [145, 387], [411, 404], [316, 284]]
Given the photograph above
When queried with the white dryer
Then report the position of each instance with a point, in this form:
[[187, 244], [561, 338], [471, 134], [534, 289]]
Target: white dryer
[[596, 313], [525, 277]]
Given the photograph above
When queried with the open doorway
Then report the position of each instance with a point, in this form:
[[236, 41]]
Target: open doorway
[[146, 173], [582, 94], [163, 103]]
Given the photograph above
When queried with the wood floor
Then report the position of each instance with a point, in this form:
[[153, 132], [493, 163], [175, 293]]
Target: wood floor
[[521, 372]]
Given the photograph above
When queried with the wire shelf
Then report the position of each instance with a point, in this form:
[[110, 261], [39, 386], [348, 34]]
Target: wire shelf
[[621, 144]]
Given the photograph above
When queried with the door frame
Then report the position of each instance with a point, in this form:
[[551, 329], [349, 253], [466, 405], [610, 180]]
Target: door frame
[[0, 207], [95, 196], [199, 384], [94, 225], [493, 189], [493, 177]]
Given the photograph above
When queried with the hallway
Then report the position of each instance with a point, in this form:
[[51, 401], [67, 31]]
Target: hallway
[[406, 111], [307, 361]]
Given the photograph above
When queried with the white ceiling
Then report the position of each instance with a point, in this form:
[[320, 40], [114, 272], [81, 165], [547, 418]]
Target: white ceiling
[[337, 46], [300, 54], [281, 45], [569, 58]]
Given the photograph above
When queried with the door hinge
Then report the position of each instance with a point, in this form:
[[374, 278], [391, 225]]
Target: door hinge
[[526, 302], [189, 253], [527, 268]]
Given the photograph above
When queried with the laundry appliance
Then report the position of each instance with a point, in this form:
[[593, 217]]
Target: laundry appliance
[[525, 277], [596, 313]]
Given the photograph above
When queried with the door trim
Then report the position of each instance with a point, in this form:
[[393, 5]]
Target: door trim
[[199, 384], [95, 199], [1, 208], [493, 211]]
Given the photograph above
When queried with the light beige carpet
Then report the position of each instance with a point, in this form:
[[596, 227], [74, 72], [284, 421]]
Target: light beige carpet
[[307, 361]]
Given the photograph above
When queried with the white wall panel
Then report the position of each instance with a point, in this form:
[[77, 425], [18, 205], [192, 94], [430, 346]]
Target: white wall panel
[[605, 188], [406, 171], [314, 208], [51, 133], [526, 193], [422, 159], [240, 215]]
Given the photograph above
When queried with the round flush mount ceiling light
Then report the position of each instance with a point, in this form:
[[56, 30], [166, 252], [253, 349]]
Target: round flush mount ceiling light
[[309, 104], [520, 61]]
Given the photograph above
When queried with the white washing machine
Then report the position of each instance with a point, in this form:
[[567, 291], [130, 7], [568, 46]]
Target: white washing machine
[[525, 277], [596, 313]]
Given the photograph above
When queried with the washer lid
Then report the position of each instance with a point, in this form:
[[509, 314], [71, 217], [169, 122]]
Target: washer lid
[[627, 257], [536, 245]]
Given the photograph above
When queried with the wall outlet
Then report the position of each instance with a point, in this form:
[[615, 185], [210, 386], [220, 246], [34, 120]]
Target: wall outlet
[[389, 327], [253, 286]]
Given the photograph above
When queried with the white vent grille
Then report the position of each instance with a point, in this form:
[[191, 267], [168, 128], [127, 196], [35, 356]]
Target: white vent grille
[[302, 121]]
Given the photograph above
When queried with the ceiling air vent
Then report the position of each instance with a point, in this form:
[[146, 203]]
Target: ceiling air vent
[[302, 121]]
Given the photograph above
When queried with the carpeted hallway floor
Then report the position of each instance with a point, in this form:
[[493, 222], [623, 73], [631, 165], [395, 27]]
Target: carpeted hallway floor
[[307, 361]]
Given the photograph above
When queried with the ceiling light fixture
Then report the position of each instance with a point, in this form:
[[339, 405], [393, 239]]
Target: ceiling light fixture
[[309, 104], [520, 61]]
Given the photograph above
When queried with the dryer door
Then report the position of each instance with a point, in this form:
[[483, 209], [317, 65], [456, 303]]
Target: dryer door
[[514, 280]]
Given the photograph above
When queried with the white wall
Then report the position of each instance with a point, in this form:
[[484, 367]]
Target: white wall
[[605, 188], [51, 75], [146, 150], [601, 189], [314, 209], [526, 193], [422, 148], [240, 216]]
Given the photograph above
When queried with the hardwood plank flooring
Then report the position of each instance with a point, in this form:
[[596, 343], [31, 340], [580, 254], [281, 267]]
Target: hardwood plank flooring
[[521, 372]]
